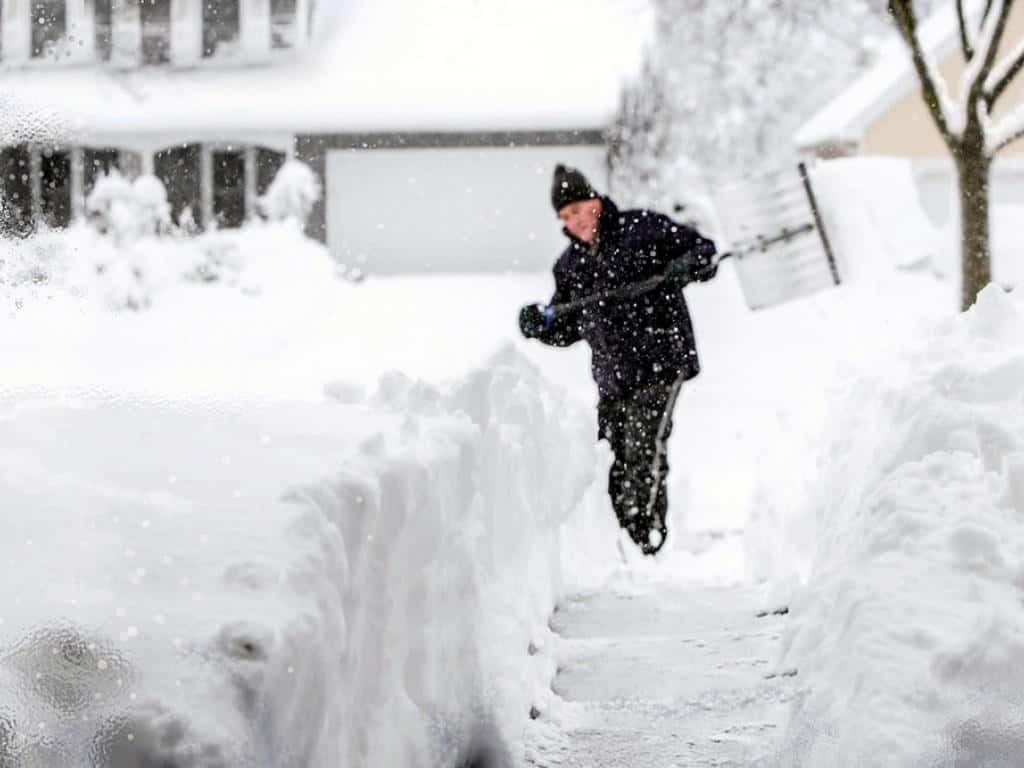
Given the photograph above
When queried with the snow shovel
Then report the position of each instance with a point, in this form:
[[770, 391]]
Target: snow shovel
[[636, 289], [772, 269]]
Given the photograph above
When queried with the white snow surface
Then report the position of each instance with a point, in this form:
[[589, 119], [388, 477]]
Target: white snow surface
[[290, 512], [379, 65], [294, 583]]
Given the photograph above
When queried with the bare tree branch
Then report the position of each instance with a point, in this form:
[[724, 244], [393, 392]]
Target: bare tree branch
[[906, 21], [989, 48], [1006, 131], [988, 10], [1004, 74], [965, 43], [1019, 134]]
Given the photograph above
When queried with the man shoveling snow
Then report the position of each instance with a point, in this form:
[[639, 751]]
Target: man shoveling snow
[[642, 343]]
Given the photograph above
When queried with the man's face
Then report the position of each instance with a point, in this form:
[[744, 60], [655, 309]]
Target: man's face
[[581, 218]]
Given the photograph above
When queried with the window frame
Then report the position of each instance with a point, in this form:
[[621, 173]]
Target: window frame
[[158, 37], [48, 50], [103, 30], [56, 201], [180, 195], [284, 30], [212, 46], [216, 198], [13, 157]]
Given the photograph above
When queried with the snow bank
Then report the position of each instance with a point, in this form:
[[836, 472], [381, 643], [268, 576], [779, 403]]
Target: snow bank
[[315, 584], [908, 635]]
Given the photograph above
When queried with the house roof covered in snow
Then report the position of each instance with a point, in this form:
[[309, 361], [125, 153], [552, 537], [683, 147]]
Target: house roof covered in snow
[[888, 80], [380, 66]]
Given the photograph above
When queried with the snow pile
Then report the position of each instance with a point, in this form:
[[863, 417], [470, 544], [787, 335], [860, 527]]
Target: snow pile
[[909, 633], [313, 584], [130, 268]]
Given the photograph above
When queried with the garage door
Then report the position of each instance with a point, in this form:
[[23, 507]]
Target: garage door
[[449, 210]]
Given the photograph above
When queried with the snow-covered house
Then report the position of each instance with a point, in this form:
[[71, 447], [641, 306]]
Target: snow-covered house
[[432, 125], [84, 84], [881, 113]]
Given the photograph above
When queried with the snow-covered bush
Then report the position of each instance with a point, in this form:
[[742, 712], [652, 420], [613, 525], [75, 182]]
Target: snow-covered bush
[[292, 194], [28, 267], [260, 258], [128, 210]]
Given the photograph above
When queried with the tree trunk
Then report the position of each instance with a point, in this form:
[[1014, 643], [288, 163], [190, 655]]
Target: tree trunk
[[974, 172]]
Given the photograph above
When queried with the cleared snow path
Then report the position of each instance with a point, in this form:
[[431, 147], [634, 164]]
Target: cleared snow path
[[666, 676]]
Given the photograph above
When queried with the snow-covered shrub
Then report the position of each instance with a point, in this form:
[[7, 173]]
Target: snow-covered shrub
[[261, 258], [128, 210], [28, 267], [292, 194]]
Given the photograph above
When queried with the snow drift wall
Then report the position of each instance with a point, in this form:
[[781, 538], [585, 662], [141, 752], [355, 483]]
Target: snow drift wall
[[467, 553], [346, 583], [909, 634]]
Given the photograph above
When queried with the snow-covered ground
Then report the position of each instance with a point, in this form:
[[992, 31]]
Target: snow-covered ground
[[233, 541], [210, 583], [286, 511]]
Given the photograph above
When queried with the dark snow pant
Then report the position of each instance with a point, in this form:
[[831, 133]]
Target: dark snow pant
[[638, 427]]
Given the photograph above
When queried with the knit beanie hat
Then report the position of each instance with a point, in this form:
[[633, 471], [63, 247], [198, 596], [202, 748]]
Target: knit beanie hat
[[569, 186]]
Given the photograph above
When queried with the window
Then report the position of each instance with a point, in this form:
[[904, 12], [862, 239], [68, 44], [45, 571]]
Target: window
[[179, 169], [95, 164], [268, 163], [49, 25], [283, 24], [55, 187], [156, 31], [229, 187], [16, 188], [103, 21], [221, 25]]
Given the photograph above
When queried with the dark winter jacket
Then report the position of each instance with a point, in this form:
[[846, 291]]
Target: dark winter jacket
[[640, 340]]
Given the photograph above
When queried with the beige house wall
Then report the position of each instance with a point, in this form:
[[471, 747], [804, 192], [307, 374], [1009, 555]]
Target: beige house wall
[[907, 129]]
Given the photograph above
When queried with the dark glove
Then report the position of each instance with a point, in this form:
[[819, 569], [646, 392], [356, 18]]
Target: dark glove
[[531, 320], [680, 270], [689, 269], [705, 272]]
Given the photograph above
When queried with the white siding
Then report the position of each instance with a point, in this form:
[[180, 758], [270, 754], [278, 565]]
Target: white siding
[[186, 32], [16, 26], [81, 31], [126, 33], [255, 32]]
